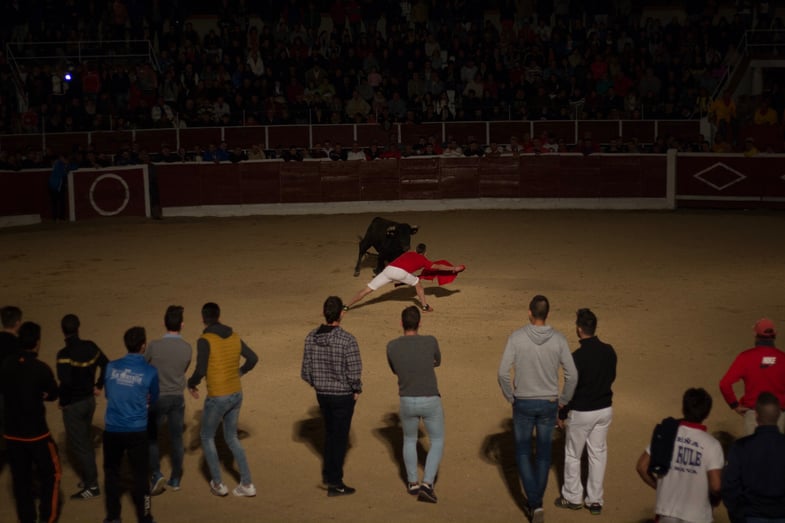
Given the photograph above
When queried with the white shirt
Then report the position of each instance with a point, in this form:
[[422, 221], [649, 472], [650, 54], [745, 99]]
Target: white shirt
[[684, 491]]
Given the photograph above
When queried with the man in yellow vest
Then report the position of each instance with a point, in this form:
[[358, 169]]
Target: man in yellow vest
[[218, 353]]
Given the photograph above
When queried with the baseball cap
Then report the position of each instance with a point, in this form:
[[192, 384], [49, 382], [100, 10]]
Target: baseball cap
[[764, 328]]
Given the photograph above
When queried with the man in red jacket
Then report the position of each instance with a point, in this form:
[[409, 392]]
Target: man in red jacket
[[762, 369], [401, 270]]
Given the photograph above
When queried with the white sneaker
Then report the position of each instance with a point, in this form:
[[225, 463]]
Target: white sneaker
[[247, 491], [218, 489]]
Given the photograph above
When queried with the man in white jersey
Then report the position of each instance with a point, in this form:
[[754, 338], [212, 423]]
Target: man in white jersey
[[689, 489]]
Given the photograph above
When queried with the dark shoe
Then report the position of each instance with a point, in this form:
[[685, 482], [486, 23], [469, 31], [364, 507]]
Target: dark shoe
[[563, 503], [157, 484], [413, 488], [538, 515], [426, 494], [87, 493], [595, 509], [340, 490], [174, 484]]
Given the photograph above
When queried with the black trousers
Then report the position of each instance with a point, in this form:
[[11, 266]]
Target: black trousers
[[135, 445], [78, 422], [337, 412], [24, 457]]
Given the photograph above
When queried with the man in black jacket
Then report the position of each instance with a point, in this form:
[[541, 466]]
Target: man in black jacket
[[11, 318], [26, 383], [77, 365], [589, 416], [753, 484]]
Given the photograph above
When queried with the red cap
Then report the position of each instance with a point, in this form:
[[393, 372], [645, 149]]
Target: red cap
[[764, 328]]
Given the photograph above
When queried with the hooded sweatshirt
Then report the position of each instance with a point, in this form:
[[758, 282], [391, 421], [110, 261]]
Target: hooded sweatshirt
[[331, 361], [536, 352]]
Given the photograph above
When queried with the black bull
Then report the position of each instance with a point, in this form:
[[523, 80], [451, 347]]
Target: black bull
[[390, 239]]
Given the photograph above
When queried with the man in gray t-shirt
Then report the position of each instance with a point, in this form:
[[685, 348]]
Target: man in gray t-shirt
[[171, 355], [413, 358]]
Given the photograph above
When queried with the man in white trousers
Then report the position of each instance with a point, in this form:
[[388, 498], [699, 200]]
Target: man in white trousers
[[588, 416]]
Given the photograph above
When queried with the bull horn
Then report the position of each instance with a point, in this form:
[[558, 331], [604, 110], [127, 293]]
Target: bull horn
[[415, 228], [391, 229]]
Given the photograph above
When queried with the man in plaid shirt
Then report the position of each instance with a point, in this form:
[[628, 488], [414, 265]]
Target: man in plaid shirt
[[332, 366]]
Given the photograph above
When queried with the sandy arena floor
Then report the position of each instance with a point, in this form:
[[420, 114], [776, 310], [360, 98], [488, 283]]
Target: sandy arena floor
[[676, 293]]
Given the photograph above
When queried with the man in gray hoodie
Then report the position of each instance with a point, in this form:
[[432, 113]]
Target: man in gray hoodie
[[332, 366], [536, 352]]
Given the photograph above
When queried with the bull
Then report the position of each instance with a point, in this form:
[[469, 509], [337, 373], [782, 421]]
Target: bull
[[390, 239]]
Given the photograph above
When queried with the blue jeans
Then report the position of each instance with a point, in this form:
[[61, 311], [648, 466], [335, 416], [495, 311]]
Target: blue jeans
[[168, 409], [429, 408], [226, 409], [528, 415]]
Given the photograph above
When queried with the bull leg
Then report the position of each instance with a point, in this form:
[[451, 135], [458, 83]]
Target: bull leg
[[363, 249], [380, 264]]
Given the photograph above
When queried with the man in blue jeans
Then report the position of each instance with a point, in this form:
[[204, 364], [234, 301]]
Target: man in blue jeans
[[218, 354], [171, 355], [412, 358], [535, 352]]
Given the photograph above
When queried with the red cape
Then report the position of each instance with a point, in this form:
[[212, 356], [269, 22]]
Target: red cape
[[441, 277]]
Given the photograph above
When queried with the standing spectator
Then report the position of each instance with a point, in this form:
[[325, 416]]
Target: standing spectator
[[722, 113], [58, 187], [357, 106], [131, 388], [338, 154], [589, 416], [765, 114], [762, 369], [356, 153], [11, 319], [750, 149], [753, 483], [412, 358], [536, 352], [332, 366], [218, 354], [77, 365], [255, 64], [691, 482], [25, 383], [171, 356]]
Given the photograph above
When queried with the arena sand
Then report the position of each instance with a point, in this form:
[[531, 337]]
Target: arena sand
[[676, 293]]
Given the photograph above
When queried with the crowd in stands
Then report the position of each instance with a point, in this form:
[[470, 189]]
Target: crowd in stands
[[378, 61]]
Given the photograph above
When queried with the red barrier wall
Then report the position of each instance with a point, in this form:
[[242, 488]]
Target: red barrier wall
[[121, 191], [730, 181], [718, 181]]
